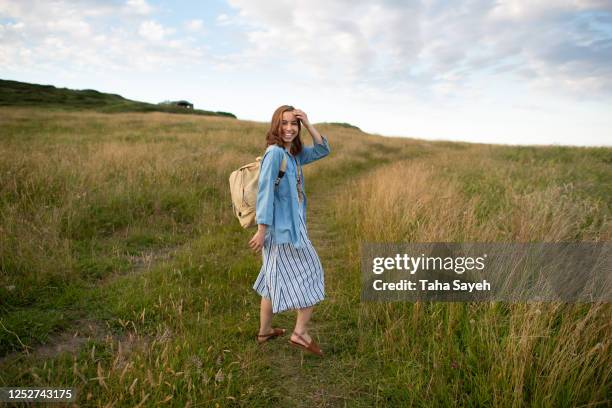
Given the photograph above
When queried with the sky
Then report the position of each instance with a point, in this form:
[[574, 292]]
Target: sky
[[504, 72]]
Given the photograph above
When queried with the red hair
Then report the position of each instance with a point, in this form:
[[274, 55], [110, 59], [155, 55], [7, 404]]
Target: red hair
[[274, 134]]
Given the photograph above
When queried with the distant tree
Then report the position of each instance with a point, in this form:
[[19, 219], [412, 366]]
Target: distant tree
[[184, 104]]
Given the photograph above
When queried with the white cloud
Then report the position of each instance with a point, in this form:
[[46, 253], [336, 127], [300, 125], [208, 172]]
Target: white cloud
[[88, 36], [138, 7], [534, 9], [437, 45], [153, 31], [223, 19], [196, 26], [69, 25]]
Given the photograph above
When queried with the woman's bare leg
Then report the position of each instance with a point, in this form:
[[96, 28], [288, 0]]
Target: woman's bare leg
[[303, 317], [265, 316]]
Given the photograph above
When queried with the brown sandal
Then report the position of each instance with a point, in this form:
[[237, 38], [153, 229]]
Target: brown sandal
[[311, 348], [262, 338]]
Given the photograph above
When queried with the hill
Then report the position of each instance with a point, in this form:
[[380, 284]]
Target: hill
[[341, 124], [15, 93]]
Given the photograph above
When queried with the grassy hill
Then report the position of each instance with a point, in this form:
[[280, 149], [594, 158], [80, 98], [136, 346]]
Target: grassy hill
[[14, 93], [124, 274]]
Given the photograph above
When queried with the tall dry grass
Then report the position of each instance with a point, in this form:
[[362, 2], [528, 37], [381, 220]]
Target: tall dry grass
[[416, 201], [495, 353]]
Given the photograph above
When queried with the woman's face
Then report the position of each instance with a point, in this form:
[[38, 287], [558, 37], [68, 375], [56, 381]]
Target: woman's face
[[289, 127]]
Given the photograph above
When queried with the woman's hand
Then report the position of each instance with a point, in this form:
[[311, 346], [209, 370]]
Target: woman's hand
[[301, 115], [256, 243]]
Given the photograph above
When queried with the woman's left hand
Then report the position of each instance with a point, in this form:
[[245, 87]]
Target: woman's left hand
[[301, 115], [257, 242]]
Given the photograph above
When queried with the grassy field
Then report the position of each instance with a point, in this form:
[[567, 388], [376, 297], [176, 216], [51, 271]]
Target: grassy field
[[125, 275]]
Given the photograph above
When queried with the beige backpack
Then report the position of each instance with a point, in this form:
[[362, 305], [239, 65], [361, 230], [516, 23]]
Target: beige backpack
[[244, 185]]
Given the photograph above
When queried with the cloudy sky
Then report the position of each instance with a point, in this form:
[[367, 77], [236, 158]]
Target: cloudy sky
[[513, 72]]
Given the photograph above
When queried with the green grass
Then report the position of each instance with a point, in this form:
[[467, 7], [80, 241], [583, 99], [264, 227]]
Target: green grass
[[87, 199], [341, 124]]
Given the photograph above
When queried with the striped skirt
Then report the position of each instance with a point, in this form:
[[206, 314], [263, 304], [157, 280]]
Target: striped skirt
[[292, 278]]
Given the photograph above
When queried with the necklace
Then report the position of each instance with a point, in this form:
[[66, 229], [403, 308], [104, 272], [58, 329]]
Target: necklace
[[300, 175], [299, 181]]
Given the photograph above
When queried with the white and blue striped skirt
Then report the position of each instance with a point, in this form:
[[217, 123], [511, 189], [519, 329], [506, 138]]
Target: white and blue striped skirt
[[292, 278]]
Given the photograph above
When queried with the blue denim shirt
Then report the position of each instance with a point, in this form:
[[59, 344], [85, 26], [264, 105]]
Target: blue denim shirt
[[278, 207]]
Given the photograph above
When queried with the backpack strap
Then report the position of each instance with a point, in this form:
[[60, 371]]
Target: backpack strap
[[281, 171], [283, 167]]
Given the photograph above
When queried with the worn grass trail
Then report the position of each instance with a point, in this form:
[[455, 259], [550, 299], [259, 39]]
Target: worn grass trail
[[303, 379]]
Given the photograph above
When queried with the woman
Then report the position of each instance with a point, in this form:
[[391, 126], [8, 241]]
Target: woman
[[291, 276]]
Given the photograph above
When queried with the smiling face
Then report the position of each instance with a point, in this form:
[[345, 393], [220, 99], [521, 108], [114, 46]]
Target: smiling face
[[289, 128]]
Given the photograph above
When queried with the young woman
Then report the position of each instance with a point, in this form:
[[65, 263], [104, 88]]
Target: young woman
[[291, 276]]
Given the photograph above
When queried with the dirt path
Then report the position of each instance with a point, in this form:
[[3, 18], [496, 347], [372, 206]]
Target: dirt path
[[84, 329], [309, 381], [303, 381]]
